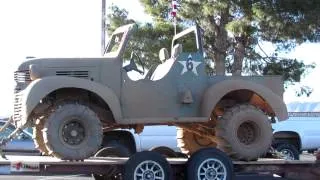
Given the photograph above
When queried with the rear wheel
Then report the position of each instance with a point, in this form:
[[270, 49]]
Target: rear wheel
[[72, 132], [245, 132]]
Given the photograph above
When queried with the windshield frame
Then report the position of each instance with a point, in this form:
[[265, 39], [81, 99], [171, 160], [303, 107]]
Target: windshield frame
[[193, 29], [125, 30]]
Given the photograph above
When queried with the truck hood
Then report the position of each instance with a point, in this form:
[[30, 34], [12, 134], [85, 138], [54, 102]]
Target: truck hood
[[61, 62]]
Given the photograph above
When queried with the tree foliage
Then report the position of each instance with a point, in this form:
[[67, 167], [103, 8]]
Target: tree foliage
[[234, 31], [146, 40]]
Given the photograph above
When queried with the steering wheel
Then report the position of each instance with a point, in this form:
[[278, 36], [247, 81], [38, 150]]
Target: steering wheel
[[133, 66]]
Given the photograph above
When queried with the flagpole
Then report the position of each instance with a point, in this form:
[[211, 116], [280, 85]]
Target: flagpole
[[174, 15], [103, 27], [175, 25]]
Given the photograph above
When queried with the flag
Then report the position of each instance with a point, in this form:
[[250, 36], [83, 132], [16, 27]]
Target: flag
[[174, 6]]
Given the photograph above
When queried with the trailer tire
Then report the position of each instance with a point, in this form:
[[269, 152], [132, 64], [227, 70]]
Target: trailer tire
[[209, 163], [245, 132], [72, 132], [153, 164]]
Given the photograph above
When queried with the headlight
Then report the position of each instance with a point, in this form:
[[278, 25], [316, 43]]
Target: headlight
[[34, 72]]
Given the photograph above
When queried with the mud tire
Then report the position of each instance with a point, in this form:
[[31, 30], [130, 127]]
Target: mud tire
[[37, 136], [89, 131], [245, 132], [189, 142]]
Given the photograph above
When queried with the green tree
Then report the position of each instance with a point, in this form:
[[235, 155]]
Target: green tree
[[146, 40], [233, 33], [235, 29]]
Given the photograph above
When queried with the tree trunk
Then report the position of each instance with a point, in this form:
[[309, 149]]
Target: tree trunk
[[239, 51], [221, 45]]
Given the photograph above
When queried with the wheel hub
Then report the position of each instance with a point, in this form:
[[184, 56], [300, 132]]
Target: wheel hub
[[149, 170], [212, 169], [288, 155], [73, 133], [211, 173], [148, 175], [247, 133]]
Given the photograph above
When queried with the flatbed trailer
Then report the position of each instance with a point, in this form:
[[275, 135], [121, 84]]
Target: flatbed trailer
[[44, 165]]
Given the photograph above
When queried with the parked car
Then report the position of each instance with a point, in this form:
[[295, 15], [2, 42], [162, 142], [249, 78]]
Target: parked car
[[125, 142], [21, 145], [301, 132]]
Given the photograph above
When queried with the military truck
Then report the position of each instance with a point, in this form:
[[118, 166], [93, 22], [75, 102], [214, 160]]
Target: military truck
[[70, 102]]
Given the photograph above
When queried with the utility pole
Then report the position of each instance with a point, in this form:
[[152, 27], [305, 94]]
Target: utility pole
[[103, 26]]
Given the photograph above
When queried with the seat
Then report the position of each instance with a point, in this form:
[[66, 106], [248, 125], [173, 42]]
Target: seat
[[176, 50], [163, 55], [162, 69]]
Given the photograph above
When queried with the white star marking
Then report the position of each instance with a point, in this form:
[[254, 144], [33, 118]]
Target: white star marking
[[192, 65]]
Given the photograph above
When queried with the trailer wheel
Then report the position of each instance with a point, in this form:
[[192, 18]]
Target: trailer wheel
[[245, 132], [209, 163], [147, 165], [72, 132]]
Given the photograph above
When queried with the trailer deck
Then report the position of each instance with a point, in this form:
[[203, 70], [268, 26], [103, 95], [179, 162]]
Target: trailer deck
[[44, 165]]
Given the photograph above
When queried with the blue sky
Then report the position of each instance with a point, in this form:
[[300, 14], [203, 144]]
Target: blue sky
[[71, 28]]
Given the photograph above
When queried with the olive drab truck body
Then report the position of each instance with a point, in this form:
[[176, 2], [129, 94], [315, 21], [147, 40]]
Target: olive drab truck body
[[177, 92]]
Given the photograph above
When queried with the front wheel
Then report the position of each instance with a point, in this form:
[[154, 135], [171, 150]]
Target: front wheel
[[38, 137], [72, 132]]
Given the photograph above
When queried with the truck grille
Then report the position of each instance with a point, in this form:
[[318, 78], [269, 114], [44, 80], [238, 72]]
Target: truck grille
[[22, 76], [78, 74], [17, 107]]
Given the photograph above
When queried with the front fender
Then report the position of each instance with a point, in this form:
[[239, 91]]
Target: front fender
[[40, 88], [214, 93]]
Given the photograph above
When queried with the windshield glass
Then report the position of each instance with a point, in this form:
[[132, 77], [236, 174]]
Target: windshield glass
[[114, 43]]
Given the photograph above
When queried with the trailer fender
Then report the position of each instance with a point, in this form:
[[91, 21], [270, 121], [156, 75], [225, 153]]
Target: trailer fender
[[214, 94], [40, 88]]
